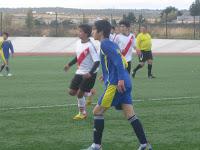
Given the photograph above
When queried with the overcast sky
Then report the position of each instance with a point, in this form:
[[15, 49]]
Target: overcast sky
[[98, 4]]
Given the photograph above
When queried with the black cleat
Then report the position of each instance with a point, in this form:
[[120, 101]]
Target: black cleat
[[133, 74], [151, 76]]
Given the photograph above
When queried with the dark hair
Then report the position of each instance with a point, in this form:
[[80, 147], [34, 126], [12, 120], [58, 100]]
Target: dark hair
[[125, 22], [113, 27], [5, 33], [86, 28], [104, 26]]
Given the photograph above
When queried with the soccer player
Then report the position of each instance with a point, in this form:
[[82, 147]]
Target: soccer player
[[143, 46], [1, 52], [126, 41], [6, 47], [88, 62], [112, 34], [118, 88]]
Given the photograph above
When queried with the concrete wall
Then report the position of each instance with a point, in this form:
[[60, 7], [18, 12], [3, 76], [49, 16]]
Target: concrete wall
[[67, 45]]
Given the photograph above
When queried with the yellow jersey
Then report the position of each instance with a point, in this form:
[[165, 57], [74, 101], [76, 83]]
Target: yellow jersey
[[143, 42]]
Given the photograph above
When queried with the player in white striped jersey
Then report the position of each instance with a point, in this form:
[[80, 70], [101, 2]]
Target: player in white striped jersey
[[88, 62], [126, 42]]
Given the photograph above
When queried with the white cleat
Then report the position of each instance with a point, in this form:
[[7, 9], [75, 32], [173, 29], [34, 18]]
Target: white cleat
[[9, 75]]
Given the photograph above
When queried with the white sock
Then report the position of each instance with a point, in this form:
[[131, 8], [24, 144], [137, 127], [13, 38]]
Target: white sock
[[81, 104]]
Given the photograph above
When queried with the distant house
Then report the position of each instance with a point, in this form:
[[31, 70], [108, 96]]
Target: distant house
[[51, 13], [187, 19]]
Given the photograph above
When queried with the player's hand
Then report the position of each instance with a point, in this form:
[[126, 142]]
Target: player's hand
[[121, 86], [138, 52], [66, 68], [12, 55], [87, 76]]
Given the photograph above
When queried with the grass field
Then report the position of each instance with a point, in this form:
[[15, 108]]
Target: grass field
[[168, 106]]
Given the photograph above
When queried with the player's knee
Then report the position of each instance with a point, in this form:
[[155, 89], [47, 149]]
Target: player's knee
[[72, 92], [142, 64], [150, 62], [80, 94]]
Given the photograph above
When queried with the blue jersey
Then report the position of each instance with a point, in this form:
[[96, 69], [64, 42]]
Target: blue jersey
[[113, 68], [7, 47]]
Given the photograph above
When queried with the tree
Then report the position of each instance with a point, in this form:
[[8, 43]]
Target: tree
[[140, 21], [169, 14], [29, 21], [130, 17], [7, 21], [195, 11]]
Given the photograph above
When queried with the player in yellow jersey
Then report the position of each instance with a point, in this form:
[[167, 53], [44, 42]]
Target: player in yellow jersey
[[143, 46]]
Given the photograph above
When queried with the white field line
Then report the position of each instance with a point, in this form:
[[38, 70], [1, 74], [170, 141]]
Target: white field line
[[68, 105]]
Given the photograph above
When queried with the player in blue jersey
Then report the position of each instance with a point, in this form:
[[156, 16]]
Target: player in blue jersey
[[6, 47], [118, 88]]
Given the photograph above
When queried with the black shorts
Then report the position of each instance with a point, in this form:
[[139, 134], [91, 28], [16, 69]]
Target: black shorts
[[145, 55], [85, 85]]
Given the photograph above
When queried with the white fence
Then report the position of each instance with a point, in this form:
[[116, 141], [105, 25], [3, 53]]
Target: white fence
[[67, 45]]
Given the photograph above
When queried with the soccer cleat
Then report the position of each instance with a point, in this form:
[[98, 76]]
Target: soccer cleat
[[9, 75], [92, 148], [145, 147], [80, 116], [151, 76], [133, 74]]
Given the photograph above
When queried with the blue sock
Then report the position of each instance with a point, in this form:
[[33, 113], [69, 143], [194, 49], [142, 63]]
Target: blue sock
[[139, 131], [98, 129]]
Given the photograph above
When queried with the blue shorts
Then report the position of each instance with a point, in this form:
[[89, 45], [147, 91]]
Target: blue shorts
[[111, 97]]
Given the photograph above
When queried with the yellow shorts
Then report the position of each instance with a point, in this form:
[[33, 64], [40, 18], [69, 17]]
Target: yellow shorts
[[2, 57]]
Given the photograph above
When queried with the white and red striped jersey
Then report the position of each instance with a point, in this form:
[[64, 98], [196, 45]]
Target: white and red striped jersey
[[126, 45], [86, 56]]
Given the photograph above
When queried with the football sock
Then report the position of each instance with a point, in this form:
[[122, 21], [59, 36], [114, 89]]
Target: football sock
[[7, 69], [81, 105], [149, 69], [139, 131], [138, 67], [98, 129], [2, 67]]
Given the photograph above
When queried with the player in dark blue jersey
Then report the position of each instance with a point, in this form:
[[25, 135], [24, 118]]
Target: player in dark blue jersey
[[6, 47], [118, 88]]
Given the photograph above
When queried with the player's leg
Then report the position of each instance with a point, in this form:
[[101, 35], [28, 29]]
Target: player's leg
[[74, 86], [81, 106], [104, 103], [150, 64], [90, 92], [7, 67], [137, 126], [139, 66], [3, 61], [98, 113]]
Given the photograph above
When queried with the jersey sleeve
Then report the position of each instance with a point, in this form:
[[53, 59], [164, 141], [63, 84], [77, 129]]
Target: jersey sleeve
[[110, 50], [93, 52], [11, 47]]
